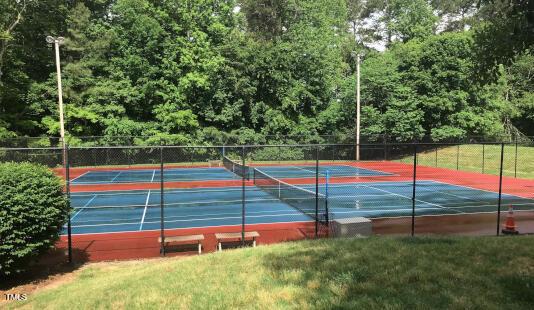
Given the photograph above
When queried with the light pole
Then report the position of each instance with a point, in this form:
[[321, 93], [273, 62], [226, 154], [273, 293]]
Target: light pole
[[57, 41]]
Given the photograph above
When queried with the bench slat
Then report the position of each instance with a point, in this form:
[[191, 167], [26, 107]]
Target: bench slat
[[238, 235], [183, 238]]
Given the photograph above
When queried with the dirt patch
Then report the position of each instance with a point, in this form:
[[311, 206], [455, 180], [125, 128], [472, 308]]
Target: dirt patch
[[53, 274], [51, 281]]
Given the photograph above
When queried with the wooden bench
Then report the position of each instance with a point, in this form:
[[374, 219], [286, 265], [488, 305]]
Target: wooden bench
[[182, 239], [222, 237]]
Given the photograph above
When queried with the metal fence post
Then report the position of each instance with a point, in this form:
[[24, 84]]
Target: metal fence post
[[458, 157], [385, 150], [483, 156], [500, 191], [69, 223], [243, 180], [413, 186], [317, 192], [333, 152], [161, 203], [94, 157], [515, 159]]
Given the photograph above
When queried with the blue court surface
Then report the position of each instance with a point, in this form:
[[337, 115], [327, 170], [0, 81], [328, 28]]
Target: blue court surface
[[216, 173], [120, 211]]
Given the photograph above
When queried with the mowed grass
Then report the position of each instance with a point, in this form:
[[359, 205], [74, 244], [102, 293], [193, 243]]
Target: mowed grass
[[372, 273], [480, 158]]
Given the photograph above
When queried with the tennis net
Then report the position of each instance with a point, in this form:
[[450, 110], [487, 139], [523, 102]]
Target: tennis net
[[239, 169], [306, 201]]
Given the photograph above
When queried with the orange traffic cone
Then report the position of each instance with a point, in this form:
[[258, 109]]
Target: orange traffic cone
[[509, 225]]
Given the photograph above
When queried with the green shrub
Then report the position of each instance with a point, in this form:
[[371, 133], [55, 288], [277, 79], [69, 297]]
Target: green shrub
[[33, 210]]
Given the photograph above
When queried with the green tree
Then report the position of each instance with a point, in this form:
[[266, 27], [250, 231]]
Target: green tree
[[506, 31], [408, 19]]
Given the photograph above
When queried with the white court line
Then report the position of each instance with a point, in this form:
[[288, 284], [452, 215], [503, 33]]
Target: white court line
[[234, 214], [304, 170], [441, 192], [179, 170], [193, 203], [144, 212], [369, 169], [387, 183], [233, 217], [490, 205], [153, 174], [168, 178], [432, 204], [442, 214], [182, 228], [81, 175], [483, 190], [191, 220], [115, 177], [380, 210], [81, 209], [356, 196], [142, 192]]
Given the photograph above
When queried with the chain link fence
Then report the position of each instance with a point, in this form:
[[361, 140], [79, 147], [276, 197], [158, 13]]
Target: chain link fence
[[134, 201]]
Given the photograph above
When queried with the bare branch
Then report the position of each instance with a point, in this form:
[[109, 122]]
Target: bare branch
[[5, 42]]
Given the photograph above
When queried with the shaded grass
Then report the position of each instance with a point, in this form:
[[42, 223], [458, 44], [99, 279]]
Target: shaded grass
[[479, 158], [373, 273]]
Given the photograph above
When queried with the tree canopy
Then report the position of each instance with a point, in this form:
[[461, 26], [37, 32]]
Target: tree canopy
[[195, 72]]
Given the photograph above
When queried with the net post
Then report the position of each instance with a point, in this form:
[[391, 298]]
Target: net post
[[161, 203], [413, 187], [316, 191], [500, 191], [69, 222], [243, 180]]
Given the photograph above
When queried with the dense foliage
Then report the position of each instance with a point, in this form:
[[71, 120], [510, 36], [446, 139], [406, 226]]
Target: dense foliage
[[33, 210], [208, 70]]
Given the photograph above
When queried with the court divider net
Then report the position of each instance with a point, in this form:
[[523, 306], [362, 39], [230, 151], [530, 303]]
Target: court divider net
[[300, 198]]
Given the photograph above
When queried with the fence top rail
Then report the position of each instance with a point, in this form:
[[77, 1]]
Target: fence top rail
[[252, 146], [31, 148]]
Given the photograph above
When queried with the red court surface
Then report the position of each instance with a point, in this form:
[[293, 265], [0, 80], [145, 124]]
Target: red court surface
[[134, 245]]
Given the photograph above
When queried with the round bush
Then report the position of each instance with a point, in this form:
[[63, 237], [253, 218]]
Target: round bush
[[33, 209]]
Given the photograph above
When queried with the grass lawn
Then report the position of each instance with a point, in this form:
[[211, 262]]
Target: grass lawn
[[376, 273], [470, 158]]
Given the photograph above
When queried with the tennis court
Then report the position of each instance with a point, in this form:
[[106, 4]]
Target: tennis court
[[215, 173], [121, 211]]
